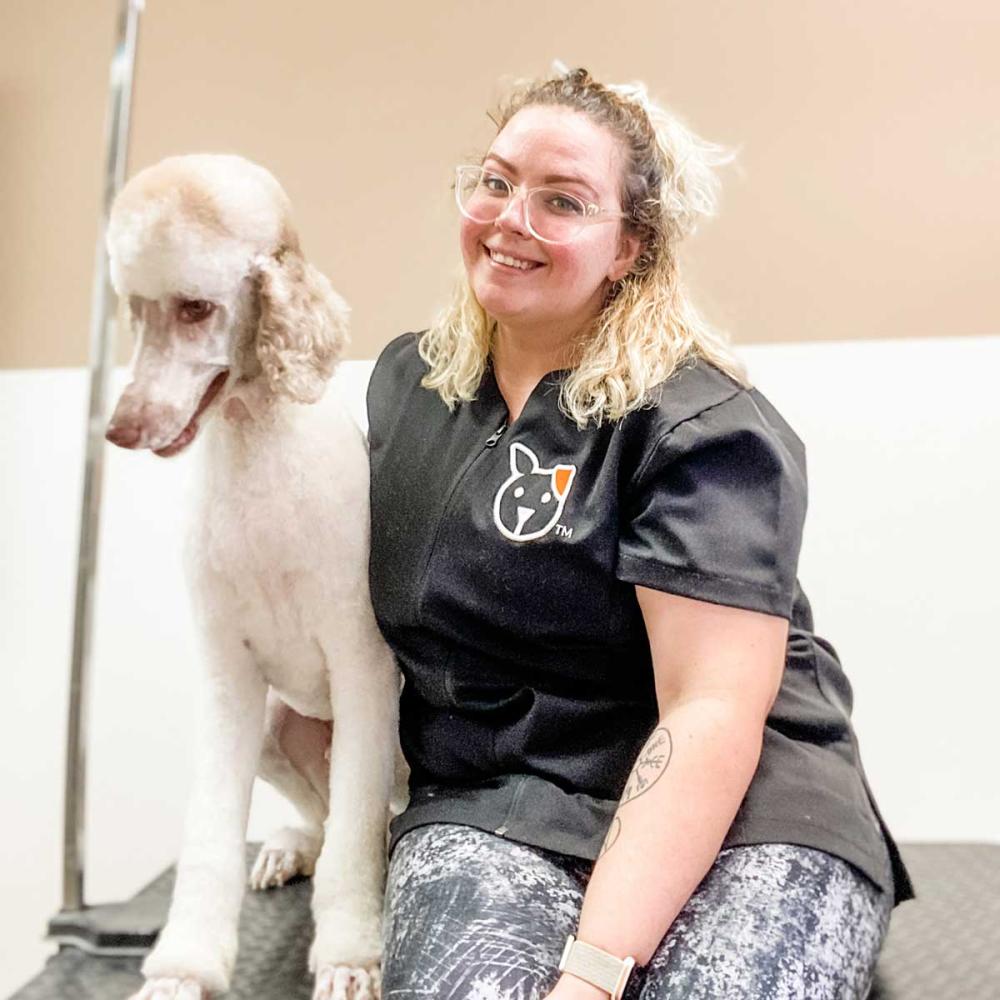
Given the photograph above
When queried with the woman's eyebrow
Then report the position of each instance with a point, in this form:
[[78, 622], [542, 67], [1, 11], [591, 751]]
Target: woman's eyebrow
[[550, 179]]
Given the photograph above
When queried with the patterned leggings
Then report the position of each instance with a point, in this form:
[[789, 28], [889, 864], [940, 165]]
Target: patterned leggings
[[470, 915]]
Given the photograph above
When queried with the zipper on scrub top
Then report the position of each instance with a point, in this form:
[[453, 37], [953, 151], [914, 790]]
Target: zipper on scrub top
[[495, 436]]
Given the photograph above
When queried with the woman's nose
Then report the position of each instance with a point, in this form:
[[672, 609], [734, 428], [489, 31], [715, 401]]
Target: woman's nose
[[513, 219]]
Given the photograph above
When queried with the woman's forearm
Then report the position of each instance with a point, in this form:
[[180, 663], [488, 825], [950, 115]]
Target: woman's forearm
[[678, 804]]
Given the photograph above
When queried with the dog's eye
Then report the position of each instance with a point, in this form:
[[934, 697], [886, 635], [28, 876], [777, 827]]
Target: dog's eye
[[195, 310]]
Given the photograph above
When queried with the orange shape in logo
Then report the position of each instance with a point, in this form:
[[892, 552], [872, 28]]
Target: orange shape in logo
[[562, 474]]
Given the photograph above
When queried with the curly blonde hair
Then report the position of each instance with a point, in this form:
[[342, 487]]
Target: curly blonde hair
[[648, 327]]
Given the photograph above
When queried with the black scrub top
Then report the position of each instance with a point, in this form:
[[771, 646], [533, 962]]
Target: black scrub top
[[503, 569]]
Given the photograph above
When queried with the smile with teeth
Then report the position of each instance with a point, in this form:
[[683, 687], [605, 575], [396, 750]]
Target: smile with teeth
[[521, 265]]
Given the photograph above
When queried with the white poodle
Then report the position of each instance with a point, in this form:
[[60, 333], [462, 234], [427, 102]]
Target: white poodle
[[235, 331]]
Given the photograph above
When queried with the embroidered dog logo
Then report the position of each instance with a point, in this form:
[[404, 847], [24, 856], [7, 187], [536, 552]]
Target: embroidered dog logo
[[530, 501]]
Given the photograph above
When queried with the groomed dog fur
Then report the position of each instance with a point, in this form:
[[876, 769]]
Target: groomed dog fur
[[235, 331]]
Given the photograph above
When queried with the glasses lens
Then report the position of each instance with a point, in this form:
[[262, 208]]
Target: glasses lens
[[555, 216], [481, 196]]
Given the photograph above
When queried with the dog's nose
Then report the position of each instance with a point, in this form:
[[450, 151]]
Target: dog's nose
[[123, 435]]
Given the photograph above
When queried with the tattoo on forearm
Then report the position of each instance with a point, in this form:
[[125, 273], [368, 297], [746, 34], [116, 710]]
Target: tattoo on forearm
[[652, 761], [649, 766]]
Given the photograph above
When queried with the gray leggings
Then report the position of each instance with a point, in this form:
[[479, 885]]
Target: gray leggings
[[470, 915]]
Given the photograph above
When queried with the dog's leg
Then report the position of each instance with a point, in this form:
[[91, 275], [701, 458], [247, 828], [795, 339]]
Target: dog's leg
[[194, 955], [294, 761], [349, 883]]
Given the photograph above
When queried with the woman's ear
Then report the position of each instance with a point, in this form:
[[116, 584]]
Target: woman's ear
[[303, 326], [629, 246]]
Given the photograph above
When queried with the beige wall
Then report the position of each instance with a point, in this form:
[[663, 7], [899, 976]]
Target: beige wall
[[866, 205]]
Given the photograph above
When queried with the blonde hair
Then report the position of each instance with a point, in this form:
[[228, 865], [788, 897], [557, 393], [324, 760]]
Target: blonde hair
[[648, 327]]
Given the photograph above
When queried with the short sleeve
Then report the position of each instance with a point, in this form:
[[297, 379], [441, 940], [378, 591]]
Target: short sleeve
[[716, 508]]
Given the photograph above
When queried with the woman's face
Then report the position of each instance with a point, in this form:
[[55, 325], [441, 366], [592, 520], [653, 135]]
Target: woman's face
[[565, 285]]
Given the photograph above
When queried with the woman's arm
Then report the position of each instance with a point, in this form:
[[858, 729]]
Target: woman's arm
[[717, 670]]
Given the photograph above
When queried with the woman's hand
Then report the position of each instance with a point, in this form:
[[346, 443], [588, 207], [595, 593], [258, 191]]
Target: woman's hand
[[573, 988]]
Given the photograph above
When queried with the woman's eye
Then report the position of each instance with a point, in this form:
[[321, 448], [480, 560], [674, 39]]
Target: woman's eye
[[563, 204], [195, 310], [495, 185]]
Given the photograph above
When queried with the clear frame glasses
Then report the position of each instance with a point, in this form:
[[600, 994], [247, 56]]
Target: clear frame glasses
[[551, 215]]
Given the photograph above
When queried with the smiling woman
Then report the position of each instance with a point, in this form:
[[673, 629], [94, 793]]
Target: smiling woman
[[548, 289], [628, 161], [632, 765]]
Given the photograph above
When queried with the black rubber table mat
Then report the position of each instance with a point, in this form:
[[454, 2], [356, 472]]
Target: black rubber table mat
[[944, 945], [276, 929]]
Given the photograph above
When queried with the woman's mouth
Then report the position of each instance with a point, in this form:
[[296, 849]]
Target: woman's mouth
[[508, 262]]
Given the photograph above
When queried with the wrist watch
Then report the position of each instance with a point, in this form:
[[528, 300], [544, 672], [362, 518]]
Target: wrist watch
[[597, 967]]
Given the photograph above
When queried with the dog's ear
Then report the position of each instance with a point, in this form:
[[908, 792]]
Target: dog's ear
[[303, 325]]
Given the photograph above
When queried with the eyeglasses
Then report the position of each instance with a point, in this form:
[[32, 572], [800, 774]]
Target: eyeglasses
[[551, 215]]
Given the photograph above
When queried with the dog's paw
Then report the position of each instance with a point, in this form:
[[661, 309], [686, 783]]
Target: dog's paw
[[348, 937], [170, 989], [199, 961], [347, 982], [286, 853]]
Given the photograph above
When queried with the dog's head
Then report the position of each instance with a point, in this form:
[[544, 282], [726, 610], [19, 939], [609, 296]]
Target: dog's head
[[212, 280]]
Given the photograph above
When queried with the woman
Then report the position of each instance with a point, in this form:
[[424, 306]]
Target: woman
[[585, 530]]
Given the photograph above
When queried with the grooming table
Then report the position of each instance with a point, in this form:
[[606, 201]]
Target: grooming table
[[944, 945], [276, 929]]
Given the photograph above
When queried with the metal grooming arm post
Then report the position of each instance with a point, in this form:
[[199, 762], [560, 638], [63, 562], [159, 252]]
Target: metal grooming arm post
[[102, 343]]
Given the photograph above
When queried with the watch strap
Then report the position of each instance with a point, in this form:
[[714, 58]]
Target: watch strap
[[597, 967]]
